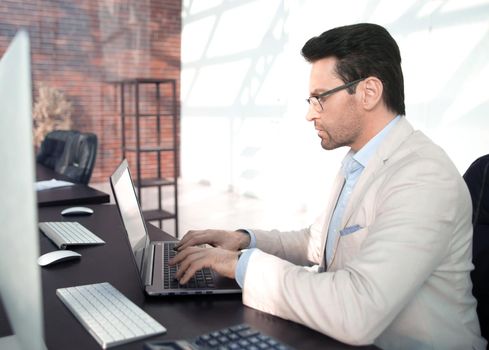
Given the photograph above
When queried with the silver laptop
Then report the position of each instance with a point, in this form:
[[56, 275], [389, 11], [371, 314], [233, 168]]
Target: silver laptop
[[152, 257]]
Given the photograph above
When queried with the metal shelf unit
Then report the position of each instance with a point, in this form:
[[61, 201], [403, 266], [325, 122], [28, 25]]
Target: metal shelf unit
[[138, 148]]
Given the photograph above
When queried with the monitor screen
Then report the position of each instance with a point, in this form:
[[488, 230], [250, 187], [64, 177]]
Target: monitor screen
[[20, 278]]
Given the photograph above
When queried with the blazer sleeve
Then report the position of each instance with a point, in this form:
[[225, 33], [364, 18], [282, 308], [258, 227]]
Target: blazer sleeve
[[301, 247], [418, 210]]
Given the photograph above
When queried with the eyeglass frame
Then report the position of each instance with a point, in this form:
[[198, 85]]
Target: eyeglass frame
[[330, 92]]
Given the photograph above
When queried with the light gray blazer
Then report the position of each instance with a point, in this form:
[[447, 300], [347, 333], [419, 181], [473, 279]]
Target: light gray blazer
[[399, 277]]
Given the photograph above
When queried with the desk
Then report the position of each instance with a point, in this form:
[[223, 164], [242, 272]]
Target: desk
[[183, 317], [72, 195]]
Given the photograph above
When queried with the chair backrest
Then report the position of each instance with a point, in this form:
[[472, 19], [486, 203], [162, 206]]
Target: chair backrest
[[80, 158], [51, 152], [70, 153], [477, 179]]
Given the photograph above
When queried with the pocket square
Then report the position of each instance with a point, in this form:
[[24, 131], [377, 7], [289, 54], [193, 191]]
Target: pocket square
[[349, 230]]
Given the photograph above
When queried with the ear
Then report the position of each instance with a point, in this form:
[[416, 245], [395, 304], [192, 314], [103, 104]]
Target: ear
[[372, 93]]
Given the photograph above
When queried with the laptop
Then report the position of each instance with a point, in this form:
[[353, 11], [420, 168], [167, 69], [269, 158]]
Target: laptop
[[151, 257]]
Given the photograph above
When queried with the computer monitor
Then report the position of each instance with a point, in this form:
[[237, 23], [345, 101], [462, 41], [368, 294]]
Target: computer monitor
[[20, 278]]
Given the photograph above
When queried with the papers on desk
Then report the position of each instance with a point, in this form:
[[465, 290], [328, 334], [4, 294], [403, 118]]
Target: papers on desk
[[53, 183]]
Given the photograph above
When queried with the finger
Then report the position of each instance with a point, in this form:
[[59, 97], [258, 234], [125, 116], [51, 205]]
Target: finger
[[182, 255], [190, 260], [187, 237], [197, 238], [192, 268]]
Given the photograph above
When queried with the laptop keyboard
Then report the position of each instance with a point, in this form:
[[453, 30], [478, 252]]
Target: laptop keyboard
[[202, 279]]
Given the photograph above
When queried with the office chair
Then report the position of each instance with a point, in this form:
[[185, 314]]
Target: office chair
[[51, 152], [477, 181], [70, 153], [80, 157]]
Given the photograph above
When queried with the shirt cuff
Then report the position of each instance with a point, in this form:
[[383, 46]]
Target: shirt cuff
[[252, 237], [242, 265]]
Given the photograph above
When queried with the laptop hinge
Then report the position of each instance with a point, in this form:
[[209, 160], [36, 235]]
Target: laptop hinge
[[148, 266]]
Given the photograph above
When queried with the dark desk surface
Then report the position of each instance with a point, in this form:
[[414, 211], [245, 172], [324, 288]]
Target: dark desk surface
[[183, 317], [77, 194]]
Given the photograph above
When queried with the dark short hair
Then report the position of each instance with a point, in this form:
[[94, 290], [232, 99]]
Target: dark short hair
[[362, 50]]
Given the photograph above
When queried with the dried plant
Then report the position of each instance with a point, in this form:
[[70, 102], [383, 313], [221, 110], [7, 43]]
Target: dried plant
[[52, 111]]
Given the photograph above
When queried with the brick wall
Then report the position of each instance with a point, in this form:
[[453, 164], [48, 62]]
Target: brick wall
[[78, 46]]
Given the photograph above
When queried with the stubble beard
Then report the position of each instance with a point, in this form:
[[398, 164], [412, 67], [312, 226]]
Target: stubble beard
[[330, 144], [345, 135]]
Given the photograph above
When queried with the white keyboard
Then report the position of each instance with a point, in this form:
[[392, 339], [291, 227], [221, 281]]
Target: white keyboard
[[110, 317], [65, 233]]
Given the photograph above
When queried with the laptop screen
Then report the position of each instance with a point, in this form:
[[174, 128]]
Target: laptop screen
[[130, 211]]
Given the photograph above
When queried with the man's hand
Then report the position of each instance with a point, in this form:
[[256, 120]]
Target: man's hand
[[192, 259], [229, 240]]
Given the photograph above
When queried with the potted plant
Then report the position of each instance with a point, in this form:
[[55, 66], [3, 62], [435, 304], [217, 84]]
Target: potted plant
[[52, 111]]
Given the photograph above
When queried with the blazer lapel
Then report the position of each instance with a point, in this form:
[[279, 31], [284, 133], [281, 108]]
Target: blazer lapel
[[336, 190], [401, 131]]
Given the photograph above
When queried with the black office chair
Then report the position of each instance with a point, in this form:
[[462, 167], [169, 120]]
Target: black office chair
[[477, 181], [70, 153], [51, 152]]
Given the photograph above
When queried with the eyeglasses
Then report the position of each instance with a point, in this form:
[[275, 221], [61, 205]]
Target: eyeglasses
[[315, 101]]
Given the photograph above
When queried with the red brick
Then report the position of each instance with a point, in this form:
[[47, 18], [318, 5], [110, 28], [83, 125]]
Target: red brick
[[78, 46]]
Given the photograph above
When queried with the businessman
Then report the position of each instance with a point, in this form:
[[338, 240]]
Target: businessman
[[388, 261]]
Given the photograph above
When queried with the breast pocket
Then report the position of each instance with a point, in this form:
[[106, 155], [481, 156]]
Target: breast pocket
[[349, 245]]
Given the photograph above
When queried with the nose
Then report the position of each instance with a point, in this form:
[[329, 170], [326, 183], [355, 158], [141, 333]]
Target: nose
[[311, 115]]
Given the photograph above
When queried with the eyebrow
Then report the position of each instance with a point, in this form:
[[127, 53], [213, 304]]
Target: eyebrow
[[316, 92]]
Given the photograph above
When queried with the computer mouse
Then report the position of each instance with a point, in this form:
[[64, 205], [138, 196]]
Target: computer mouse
[[75, 211], [57, 256]]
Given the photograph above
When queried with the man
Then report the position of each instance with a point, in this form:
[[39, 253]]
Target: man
[[388, 262]]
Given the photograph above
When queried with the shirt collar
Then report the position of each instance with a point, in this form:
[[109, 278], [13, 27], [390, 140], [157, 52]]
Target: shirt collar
[[367, 151]]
